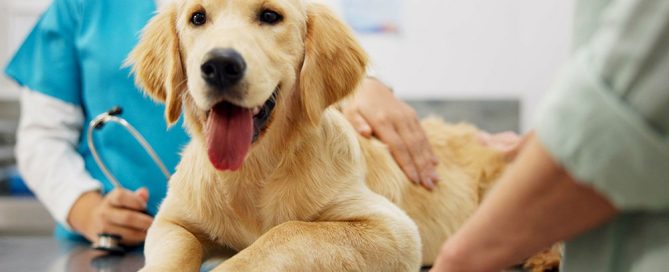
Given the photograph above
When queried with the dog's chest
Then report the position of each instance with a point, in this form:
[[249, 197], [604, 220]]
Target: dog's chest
[[250, 215]]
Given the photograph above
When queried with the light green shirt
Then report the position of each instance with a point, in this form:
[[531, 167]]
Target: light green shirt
[[607, 121]]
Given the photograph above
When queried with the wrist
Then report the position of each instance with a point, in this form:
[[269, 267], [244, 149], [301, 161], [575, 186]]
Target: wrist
[[81, 216]]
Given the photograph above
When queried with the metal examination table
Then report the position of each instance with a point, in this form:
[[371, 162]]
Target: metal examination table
[[45, 254], [37, 254]]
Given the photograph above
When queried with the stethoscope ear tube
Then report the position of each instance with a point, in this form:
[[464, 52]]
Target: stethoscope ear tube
[[112, 116], [98, 122], [110, 242]]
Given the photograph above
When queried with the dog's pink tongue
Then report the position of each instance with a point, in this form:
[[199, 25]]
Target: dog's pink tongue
[[229, 135]]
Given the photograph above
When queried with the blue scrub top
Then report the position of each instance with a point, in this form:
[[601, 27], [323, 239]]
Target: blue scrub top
[[75, 54]]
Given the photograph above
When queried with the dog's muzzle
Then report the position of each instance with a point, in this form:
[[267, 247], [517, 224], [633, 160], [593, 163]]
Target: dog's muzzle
[[223, 68]]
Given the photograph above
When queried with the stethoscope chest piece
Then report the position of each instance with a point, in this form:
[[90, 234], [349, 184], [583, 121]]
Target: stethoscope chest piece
[[109, 243]]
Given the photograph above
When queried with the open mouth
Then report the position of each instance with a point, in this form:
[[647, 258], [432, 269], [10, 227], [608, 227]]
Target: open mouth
[[262, 114], [231, 129]]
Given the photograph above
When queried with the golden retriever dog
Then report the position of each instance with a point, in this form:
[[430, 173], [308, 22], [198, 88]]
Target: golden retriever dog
[[273, 170]]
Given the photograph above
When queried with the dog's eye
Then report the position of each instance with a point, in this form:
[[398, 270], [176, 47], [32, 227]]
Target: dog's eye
[[198, 18], [270, 17]]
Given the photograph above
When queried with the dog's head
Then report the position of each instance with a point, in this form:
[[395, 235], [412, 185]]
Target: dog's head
[[233, 65]]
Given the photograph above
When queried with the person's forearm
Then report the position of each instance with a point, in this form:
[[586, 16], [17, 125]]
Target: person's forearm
[[534, 204], [46, 152]]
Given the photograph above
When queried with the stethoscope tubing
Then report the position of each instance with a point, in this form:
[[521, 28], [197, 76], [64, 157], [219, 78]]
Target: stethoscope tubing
[[106, 241], [107, 117]]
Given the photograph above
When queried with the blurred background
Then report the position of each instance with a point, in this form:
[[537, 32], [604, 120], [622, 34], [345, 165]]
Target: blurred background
[[488, 62]]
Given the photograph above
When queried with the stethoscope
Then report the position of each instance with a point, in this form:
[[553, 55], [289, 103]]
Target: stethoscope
[[107, 241]]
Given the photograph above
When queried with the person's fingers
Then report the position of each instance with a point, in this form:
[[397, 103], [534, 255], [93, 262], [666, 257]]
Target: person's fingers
[[128, 219], [429, 157], [483, 137], [143, 193], [511, 139], [508, 143], [123, 198], [398, 149], [517, 145], [419, 150], [359, 123], [508, 138], [129, 237]]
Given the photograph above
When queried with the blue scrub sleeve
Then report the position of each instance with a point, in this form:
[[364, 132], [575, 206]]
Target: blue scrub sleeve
[[47, 61]]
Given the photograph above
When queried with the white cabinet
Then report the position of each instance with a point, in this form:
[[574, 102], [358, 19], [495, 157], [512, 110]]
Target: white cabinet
[[17, 17]]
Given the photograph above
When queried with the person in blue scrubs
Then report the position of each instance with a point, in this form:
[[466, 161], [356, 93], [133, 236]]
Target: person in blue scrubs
[[70, 66]]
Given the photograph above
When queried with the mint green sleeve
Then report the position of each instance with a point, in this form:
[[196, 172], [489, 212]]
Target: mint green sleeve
[[607, 117]]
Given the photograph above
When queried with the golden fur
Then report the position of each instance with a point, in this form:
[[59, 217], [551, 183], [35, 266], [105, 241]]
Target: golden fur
[[302, 199]]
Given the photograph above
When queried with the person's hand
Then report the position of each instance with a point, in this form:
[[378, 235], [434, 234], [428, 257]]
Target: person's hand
[[508, 143], [120, 212], [375, 110]]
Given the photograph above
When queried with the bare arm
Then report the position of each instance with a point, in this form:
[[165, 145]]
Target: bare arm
[[535, 204]]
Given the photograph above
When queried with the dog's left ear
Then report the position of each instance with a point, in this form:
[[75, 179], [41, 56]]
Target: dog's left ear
[[334, 62], [157, 64]]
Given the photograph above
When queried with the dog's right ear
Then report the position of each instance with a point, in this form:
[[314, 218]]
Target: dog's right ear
[[157, 65]]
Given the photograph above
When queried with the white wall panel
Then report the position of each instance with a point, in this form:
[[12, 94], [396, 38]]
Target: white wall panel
[[475, 49], [17, 17]]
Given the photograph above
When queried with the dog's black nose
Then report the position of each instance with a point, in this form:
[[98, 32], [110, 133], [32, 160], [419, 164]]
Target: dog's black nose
[[223, 68]]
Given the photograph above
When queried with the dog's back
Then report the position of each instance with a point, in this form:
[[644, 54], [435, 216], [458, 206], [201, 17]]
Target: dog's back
[[467, 169]]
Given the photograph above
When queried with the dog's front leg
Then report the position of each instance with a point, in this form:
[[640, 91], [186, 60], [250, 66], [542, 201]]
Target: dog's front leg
[[171, 247], [365, 245]]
